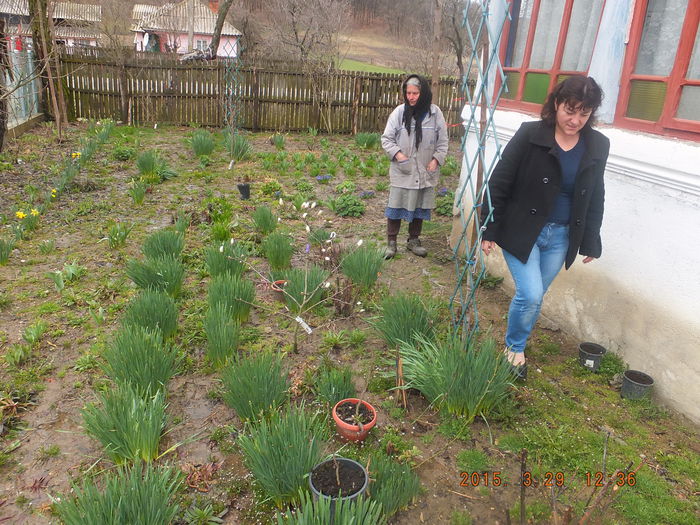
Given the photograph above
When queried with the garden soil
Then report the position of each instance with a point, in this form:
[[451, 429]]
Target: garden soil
[[47, 447]]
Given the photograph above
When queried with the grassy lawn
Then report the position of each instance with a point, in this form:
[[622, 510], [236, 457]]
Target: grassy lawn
[[355, 65], [224, 375]]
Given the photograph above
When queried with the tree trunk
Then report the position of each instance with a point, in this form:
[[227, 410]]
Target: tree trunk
[[4, 94], [214, 46], [437, 37]]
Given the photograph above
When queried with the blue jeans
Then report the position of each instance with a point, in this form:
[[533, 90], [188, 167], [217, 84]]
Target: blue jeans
[[532, 280]]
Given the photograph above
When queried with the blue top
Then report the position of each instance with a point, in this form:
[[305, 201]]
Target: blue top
[[569, 162]]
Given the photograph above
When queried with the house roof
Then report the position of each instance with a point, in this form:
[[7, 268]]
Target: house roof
[[175, 18], [64, 10]]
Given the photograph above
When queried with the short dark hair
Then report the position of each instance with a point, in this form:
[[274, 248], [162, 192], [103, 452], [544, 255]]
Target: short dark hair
[[575, 91]]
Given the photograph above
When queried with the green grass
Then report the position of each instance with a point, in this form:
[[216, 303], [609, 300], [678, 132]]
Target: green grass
[[355, 65]]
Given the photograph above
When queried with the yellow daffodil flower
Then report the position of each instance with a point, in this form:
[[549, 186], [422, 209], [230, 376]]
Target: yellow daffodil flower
[[20, 215]]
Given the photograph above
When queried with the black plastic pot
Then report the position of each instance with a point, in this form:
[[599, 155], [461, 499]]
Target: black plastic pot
[[590, 355], [635, 384], [244, 190], [346, 464]]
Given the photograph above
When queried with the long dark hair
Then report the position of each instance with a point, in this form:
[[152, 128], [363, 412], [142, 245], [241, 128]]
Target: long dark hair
[[575, 91], [420, 110]]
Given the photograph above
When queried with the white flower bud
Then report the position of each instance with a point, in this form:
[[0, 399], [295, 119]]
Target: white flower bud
[[313, 205], [303, 215], [332, 235], [326, 258], [359, 243], [221, 248], [307, 228], [281, 201], [326, 285]]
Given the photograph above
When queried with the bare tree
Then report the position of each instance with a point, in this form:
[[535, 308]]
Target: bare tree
[[454, 31]]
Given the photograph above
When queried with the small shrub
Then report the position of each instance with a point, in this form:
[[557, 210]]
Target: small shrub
[[152, 310], [362, 265], [610, 365], [18, 354], [220, 232], [222, 334], [319, 236], [278, 249], [346, 186], [334, 384], [202, 142], [128, 426], [137, 494], [305, 188], [153, 168], [282, 451], [464, 382], [238, 146], [264, 220], [236, 294], [73, 271], [368, 140], [162, 274], [360, 511], [227, 257], [123, 153], [402, 318], [255, 386], [381, 185], [33, 333], [163, 243], [472, 460], [347, 205], [450, 167], [138, 357], [395, 484], [6, 248], [305, 288]]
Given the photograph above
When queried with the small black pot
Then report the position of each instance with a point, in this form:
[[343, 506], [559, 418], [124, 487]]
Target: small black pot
[[590, 355], [635, 384], [244, 189]]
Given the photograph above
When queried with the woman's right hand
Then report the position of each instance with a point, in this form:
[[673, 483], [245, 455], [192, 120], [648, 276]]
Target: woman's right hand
[[487, 246], [400, 157]]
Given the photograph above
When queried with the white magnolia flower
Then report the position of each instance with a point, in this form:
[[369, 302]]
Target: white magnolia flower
[[303, 215], [304, 205], [359, 243], [279, 219]]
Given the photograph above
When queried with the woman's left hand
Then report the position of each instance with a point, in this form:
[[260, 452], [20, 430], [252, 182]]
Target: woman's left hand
[[433, 165], [588, 259]]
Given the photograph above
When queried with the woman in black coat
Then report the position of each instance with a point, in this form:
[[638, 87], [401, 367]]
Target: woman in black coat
[[544, 202]]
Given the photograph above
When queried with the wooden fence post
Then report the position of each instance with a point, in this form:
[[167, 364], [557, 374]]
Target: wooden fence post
[[356, 94]]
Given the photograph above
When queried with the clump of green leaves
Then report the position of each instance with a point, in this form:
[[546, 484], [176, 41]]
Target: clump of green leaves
[[334, 384], [270, 187], [202, 142], [264, 220], [164, 273], [347, 205], [6, 248], [305, 287], [450, 167], [278, 141], [465, 382], [163, 243], [255, 386], [404, 317], [153, 167], [118, 233], [46, 247], [368, 140], [223, 332], [318, 236], [363, 265], [137, 494], [234, 293], [278, 249], [347, 186], [444, 204], [138, 357], [322, 511], [128, 425], [395, 484], [238, 146], [226, 257], [33, 333], [281, 451], [137, 191], [152, 310]]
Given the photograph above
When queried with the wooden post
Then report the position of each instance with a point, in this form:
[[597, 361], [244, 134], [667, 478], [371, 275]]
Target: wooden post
[[256, 100], [437, 36], [356, 94]]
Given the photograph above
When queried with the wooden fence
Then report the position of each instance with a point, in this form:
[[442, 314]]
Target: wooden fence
[[143, 90]]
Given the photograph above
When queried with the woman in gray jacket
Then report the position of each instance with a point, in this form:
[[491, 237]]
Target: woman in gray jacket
[[415, 139]]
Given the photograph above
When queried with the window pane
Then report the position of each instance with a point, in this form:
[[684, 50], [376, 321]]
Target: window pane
[[646, 100], [519, 26], [536, 86], [662, 30], [580, 38], [546, 34], [689, 106], [694, 67], [512, 81]]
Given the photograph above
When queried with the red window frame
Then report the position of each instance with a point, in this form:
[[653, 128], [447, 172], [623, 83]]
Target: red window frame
[[555, 71], [667, 124]]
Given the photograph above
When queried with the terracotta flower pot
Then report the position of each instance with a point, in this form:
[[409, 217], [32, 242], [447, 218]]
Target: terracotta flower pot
[[278, 285], [353, 431]]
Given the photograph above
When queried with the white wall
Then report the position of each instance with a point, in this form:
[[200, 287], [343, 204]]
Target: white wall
[[642, 298]]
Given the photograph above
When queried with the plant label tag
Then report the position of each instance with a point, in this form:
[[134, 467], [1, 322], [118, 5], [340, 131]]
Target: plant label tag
[[303, 324], [589, 363], [230, 164]]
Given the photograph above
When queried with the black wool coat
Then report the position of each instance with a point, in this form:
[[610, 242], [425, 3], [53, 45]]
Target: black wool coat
[[525, 183]]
